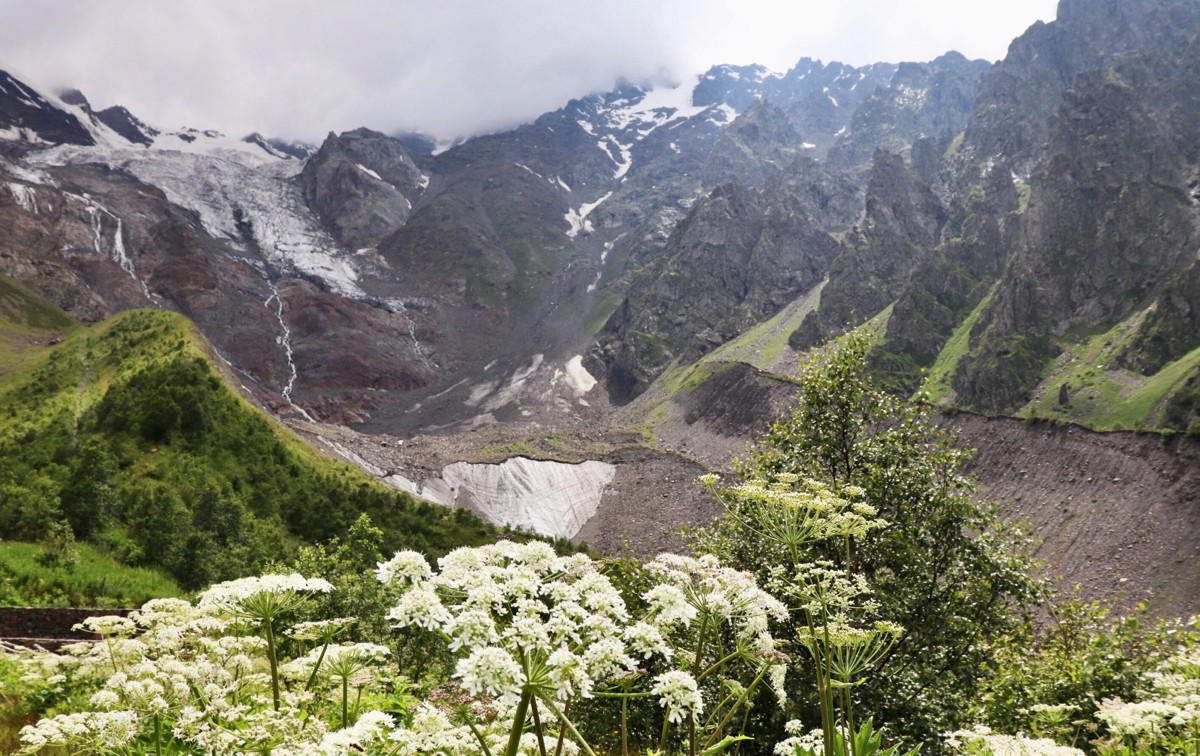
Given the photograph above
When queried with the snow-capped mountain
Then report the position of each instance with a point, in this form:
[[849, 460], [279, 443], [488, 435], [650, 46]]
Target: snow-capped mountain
[[373, 278]]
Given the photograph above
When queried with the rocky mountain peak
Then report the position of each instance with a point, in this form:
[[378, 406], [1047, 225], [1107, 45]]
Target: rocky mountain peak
[[901, 224], [758, 143], [120, 120], [362, 185], [27, 116]]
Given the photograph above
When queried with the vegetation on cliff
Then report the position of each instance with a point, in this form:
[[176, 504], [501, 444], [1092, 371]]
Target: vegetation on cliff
[[126, 433]]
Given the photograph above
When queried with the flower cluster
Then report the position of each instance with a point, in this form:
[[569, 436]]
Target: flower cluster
[[187, 673], [1168, 717], [530, 624], [520, 615], [532, 631]]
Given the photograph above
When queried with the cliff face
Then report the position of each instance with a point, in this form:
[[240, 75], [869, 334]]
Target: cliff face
[[1110, 230], [902, 222], [362, 185], [739, 257]]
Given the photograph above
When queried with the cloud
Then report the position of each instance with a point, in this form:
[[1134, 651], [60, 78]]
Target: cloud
[[300, 68]]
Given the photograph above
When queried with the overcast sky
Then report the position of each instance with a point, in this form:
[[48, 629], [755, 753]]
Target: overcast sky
[[301, 68]]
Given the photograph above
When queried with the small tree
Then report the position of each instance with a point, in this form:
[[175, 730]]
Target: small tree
[[58, 547], [942, 569]]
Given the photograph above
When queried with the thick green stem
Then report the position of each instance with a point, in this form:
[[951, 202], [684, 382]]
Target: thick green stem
[[537, 726], [345, 700], [581, 741], [112, 657], [273, 662], [849, 706], [312, 678], [624, 727], [518, 725], [562, 726], [749, 690], [478, 735], [700, 645], [158, 734]]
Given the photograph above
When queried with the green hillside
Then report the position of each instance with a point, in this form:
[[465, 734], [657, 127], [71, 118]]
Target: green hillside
[[124, 430]]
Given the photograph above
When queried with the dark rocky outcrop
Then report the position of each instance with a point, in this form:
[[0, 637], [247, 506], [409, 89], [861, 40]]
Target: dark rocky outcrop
[[127, 125], [739, 257], [902, 224], [27, 113], [362, 185]]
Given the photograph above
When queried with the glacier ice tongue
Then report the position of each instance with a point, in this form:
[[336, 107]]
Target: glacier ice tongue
[[551, 498]]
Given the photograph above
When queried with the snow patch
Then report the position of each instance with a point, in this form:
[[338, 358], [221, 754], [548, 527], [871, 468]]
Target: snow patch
[[25, 196], [230, 192], [724, 112], [578, 218], [600, 269], [551, 498], [626, 158], [586, 127], [509, 392], [368, 171], [808, 145], [659, 106], [21, 134], [578, 377]]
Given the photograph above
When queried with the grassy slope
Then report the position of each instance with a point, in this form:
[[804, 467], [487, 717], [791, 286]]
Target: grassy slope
[[764, 346], [95, 580], [938, 380], [125, 430], [1102, 395]]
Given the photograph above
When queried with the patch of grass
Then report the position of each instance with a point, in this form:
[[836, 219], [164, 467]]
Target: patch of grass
[[1024, 192], [126, 432], [939, 379], [20, 307], [761, 345], [955, 144], [96, 580], [602, 312], [1101, 394], [25, 321]]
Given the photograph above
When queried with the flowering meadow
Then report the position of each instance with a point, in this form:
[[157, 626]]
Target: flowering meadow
[[854, 601], [546, 654]]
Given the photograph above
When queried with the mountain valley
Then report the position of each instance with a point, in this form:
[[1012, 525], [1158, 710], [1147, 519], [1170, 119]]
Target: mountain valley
[[614, 298]]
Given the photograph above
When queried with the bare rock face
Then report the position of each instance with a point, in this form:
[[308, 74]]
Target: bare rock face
[[1110, 228], [902, 224], [760, 142], [921, 100], [1020, 94], [362, 185], [945, 286], [740, 256]]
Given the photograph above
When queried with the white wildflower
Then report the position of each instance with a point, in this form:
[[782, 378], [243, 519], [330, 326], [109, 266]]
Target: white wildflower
[[490, 670], [678, 694], [408, 566]]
